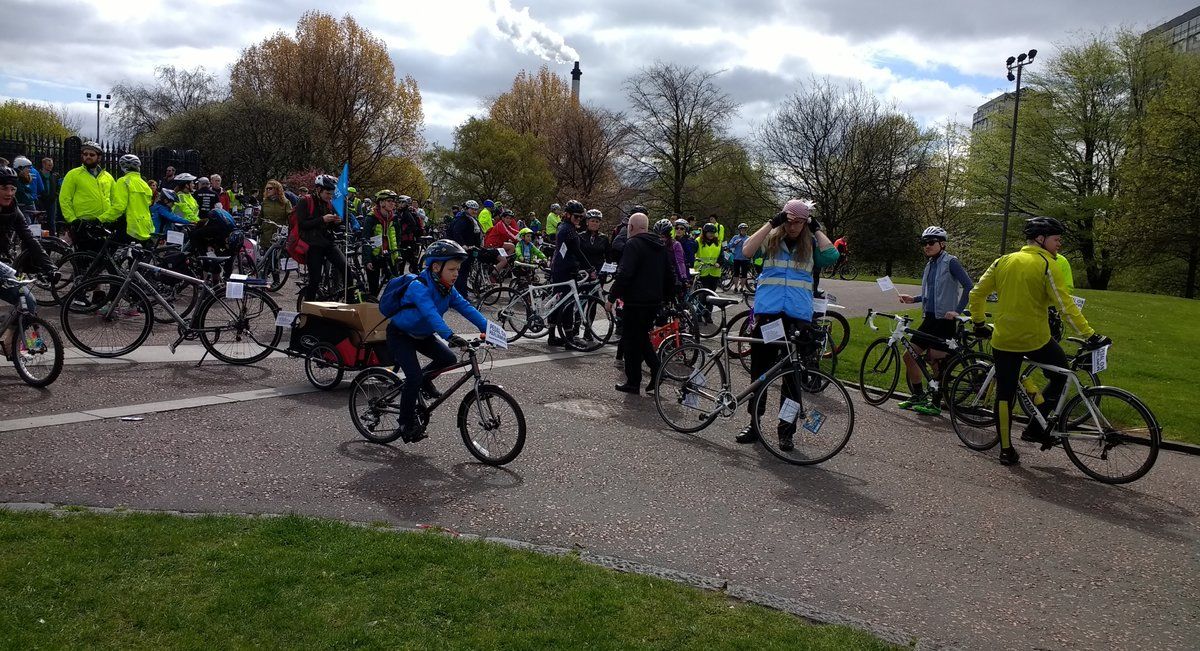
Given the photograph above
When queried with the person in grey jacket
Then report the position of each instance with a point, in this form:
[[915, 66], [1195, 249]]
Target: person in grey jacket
[[945, 288]]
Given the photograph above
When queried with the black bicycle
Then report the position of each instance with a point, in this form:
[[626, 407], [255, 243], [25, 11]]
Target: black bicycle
[[490, 420]]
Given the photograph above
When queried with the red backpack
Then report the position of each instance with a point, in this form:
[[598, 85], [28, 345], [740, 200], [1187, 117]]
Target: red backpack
[[297, 248]]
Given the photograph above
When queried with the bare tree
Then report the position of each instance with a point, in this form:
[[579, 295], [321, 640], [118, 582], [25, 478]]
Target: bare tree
[[140, 108], [583, 149], [678, 126]]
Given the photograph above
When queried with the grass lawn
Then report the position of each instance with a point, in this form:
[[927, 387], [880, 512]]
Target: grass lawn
[[1152, 353], [142, 581]]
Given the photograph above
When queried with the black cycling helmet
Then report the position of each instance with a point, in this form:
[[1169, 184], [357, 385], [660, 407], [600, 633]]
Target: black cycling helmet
[[443, 250], [507, 212], [169, 195], [8, 176], [664, 227], [574, 207], [1039, 226], [639, 208], [325, 182], [710, 228]]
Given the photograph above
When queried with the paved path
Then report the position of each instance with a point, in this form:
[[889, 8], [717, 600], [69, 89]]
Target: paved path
[[904, 528]]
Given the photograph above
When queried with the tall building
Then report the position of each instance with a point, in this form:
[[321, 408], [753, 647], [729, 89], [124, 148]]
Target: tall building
[[1183, 31], [985, 116]]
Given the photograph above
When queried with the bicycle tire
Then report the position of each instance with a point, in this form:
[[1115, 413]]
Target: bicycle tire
[[881, 363], [509, 309], [706, 329], [317, 364], [820, 408], [849, 271], [279, 277], [83, 304], [255, 305], [737, 349], [181, 296], [470, 408], [690, 362], [594, 335], [839, 331], [370, 391], [671, 343], [19, 347], [972, 407], [1142, 432], [72, 270]]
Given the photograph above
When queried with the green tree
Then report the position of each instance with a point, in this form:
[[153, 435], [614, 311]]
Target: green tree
[[36, 119], [490, 161], [140, 108], [737, 189]]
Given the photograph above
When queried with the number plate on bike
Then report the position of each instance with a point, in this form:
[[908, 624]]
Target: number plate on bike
[[814, 421], [697, 378], [1099, 359], [789, 410]]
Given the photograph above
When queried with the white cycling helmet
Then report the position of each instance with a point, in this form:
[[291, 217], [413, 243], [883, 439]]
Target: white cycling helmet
[[184, 178], [471, 205], [20, 162], [129, 162], [935, 233]]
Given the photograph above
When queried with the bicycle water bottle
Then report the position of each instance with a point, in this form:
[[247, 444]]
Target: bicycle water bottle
[[1031, 389]]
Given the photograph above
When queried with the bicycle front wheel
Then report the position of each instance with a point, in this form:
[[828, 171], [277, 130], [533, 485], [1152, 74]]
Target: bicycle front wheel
[[104, 318], [971, 397], [799, 423], [509, 309], [849, 271], [492, 425], [243, 330], [374, 404], [879, 372], [596, 326], [37, 351], [1119, 447], [687, 388]]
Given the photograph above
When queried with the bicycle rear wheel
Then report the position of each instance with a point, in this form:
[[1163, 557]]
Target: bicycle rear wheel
[[879, 372], [492, 425], [1122, 446], [687, 386], [37, 351], [806, 425], [971, 398], [247, 331], [374, 404], [102, 320]]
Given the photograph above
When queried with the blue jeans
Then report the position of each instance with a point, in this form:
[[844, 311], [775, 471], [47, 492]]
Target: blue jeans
[[404, 349]]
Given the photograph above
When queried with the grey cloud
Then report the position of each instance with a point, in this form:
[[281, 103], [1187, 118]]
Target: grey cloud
[[664, 13]]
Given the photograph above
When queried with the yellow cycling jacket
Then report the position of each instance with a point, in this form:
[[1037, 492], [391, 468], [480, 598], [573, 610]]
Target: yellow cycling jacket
[[83, 196], [1028, 282], [131, 198]]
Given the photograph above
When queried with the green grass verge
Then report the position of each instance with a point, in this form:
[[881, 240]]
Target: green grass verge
[[144, 581], [1151, 354]]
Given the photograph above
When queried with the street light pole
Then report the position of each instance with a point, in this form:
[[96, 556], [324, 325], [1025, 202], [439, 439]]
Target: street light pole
[[1018, 63], [99, 100]]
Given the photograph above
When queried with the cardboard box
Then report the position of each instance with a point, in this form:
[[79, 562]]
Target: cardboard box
[[364, 319]]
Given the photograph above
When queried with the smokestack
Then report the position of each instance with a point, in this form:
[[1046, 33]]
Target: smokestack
[[576, 73]]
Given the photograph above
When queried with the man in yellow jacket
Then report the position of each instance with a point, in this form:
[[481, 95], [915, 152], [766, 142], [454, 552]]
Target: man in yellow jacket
[[1028, 282], [185, 203], [85, 191], [131, 198]]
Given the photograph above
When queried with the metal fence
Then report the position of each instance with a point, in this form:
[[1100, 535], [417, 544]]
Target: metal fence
[[65, 152]]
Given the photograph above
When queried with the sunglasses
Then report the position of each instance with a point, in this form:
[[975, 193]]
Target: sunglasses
[[928, 242]]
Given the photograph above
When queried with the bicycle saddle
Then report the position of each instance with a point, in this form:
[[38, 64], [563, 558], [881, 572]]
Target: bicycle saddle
[[720, 301]]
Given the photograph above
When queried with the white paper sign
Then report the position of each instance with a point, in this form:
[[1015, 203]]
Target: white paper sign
[[773, 331], [496, 335], [377, 241], [241, 278], [562, 251], [609, 268], [697, 378], [820, 305], [885, 284], [35, 230], [233, 290], [692, 401], [1099, 359], [502, 252], [288, 264], [789, 410], [1079, 301], [286, 319], [174, 237]]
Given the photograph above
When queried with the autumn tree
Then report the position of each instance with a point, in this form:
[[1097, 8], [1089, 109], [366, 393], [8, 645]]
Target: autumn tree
[[534, 104], [678, 126], [491, 161], [37, 119], [344, 74], [139, 108], [583, 149]]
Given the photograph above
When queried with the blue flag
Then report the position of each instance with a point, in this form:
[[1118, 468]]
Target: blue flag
[[339, 195]]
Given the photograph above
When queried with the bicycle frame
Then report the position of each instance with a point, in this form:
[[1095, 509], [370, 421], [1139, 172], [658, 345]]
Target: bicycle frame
[[542, 310], [476, 375], [1027, 402], [133, 275], [901, 336]]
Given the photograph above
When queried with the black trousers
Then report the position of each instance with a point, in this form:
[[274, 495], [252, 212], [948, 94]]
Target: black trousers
[[381, 266], [764, 356], [635, 342], [1008, 372], [318, 256]]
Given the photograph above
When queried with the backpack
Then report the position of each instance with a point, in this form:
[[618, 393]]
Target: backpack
[[297, 248], [393, 295]]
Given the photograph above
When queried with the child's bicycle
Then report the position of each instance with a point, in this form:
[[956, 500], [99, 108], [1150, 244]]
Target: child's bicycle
[[490, 420], [28, 341]]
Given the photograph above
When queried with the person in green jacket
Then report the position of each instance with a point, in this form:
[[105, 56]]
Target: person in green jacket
[[185, 205], [131, 198], [485, 216], [552, 221], [84, 195]]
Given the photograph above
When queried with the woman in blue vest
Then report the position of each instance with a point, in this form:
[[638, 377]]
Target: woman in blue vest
[[793, 246], [945, 288]]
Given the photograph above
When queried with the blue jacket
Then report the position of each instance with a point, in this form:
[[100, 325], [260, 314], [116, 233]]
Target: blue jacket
[[162, 215], [419, 312], [785, 286], [735, 247], [219, 213], [943, 277], [690, 247]]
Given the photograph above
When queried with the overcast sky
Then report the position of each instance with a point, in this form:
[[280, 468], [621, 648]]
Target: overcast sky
[[935, 59]]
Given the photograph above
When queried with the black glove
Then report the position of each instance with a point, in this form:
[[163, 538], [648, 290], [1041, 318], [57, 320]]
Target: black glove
[[983, 330], [1097, 341], [813, 224], [455, 341], [779, 220]]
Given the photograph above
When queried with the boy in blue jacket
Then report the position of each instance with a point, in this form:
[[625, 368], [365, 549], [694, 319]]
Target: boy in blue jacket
[[415, 307]]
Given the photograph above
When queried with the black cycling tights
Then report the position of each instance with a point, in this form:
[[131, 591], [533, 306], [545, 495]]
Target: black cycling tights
[[317, 258], [1008, 372]]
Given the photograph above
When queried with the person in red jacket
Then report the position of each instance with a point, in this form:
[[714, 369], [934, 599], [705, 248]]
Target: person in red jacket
[[503, 235]]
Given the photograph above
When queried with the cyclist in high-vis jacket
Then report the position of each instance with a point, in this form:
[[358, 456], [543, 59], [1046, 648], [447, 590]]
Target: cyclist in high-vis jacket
[[1027, 282], [131, 197]]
